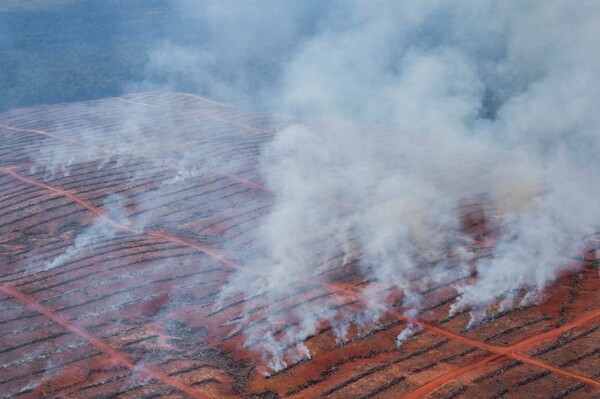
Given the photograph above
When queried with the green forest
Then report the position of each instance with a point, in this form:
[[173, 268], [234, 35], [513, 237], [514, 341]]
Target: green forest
[[63, 51]]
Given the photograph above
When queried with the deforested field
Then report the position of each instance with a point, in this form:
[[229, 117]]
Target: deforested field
[[123, 218]]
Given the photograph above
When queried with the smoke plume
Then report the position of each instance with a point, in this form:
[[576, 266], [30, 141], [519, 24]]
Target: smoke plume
[[404, 105]]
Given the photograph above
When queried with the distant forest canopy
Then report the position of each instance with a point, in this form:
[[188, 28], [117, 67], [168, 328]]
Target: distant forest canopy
[[72, 50]]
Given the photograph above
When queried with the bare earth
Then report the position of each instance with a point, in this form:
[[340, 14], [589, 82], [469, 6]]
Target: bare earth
[[130, 311]]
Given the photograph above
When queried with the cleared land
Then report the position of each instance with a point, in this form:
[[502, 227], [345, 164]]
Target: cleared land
[[128, 311]]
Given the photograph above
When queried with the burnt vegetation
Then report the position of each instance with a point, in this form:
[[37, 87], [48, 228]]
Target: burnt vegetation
[[131, 312]]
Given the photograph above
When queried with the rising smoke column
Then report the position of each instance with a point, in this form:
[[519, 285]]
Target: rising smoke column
[[503, 93]]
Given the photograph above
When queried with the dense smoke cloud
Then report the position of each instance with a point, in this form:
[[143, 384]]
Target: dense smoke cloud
[[498, 94]]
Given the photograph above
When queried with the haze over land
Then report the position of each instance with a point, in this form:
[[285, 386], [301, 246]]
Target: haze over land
[[501, 93]]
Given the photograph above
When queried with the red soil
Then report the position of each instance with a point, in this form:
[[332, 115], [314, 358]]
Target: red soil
[[132, 314]]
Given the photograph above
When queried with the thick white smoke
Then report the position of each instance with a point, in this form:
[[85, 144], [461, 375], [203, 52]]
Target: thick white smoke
[[478, 97]]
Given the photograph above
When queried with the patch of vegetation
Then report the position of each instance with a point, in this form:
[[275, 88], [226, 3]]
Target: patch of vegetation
[[75, 50]]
